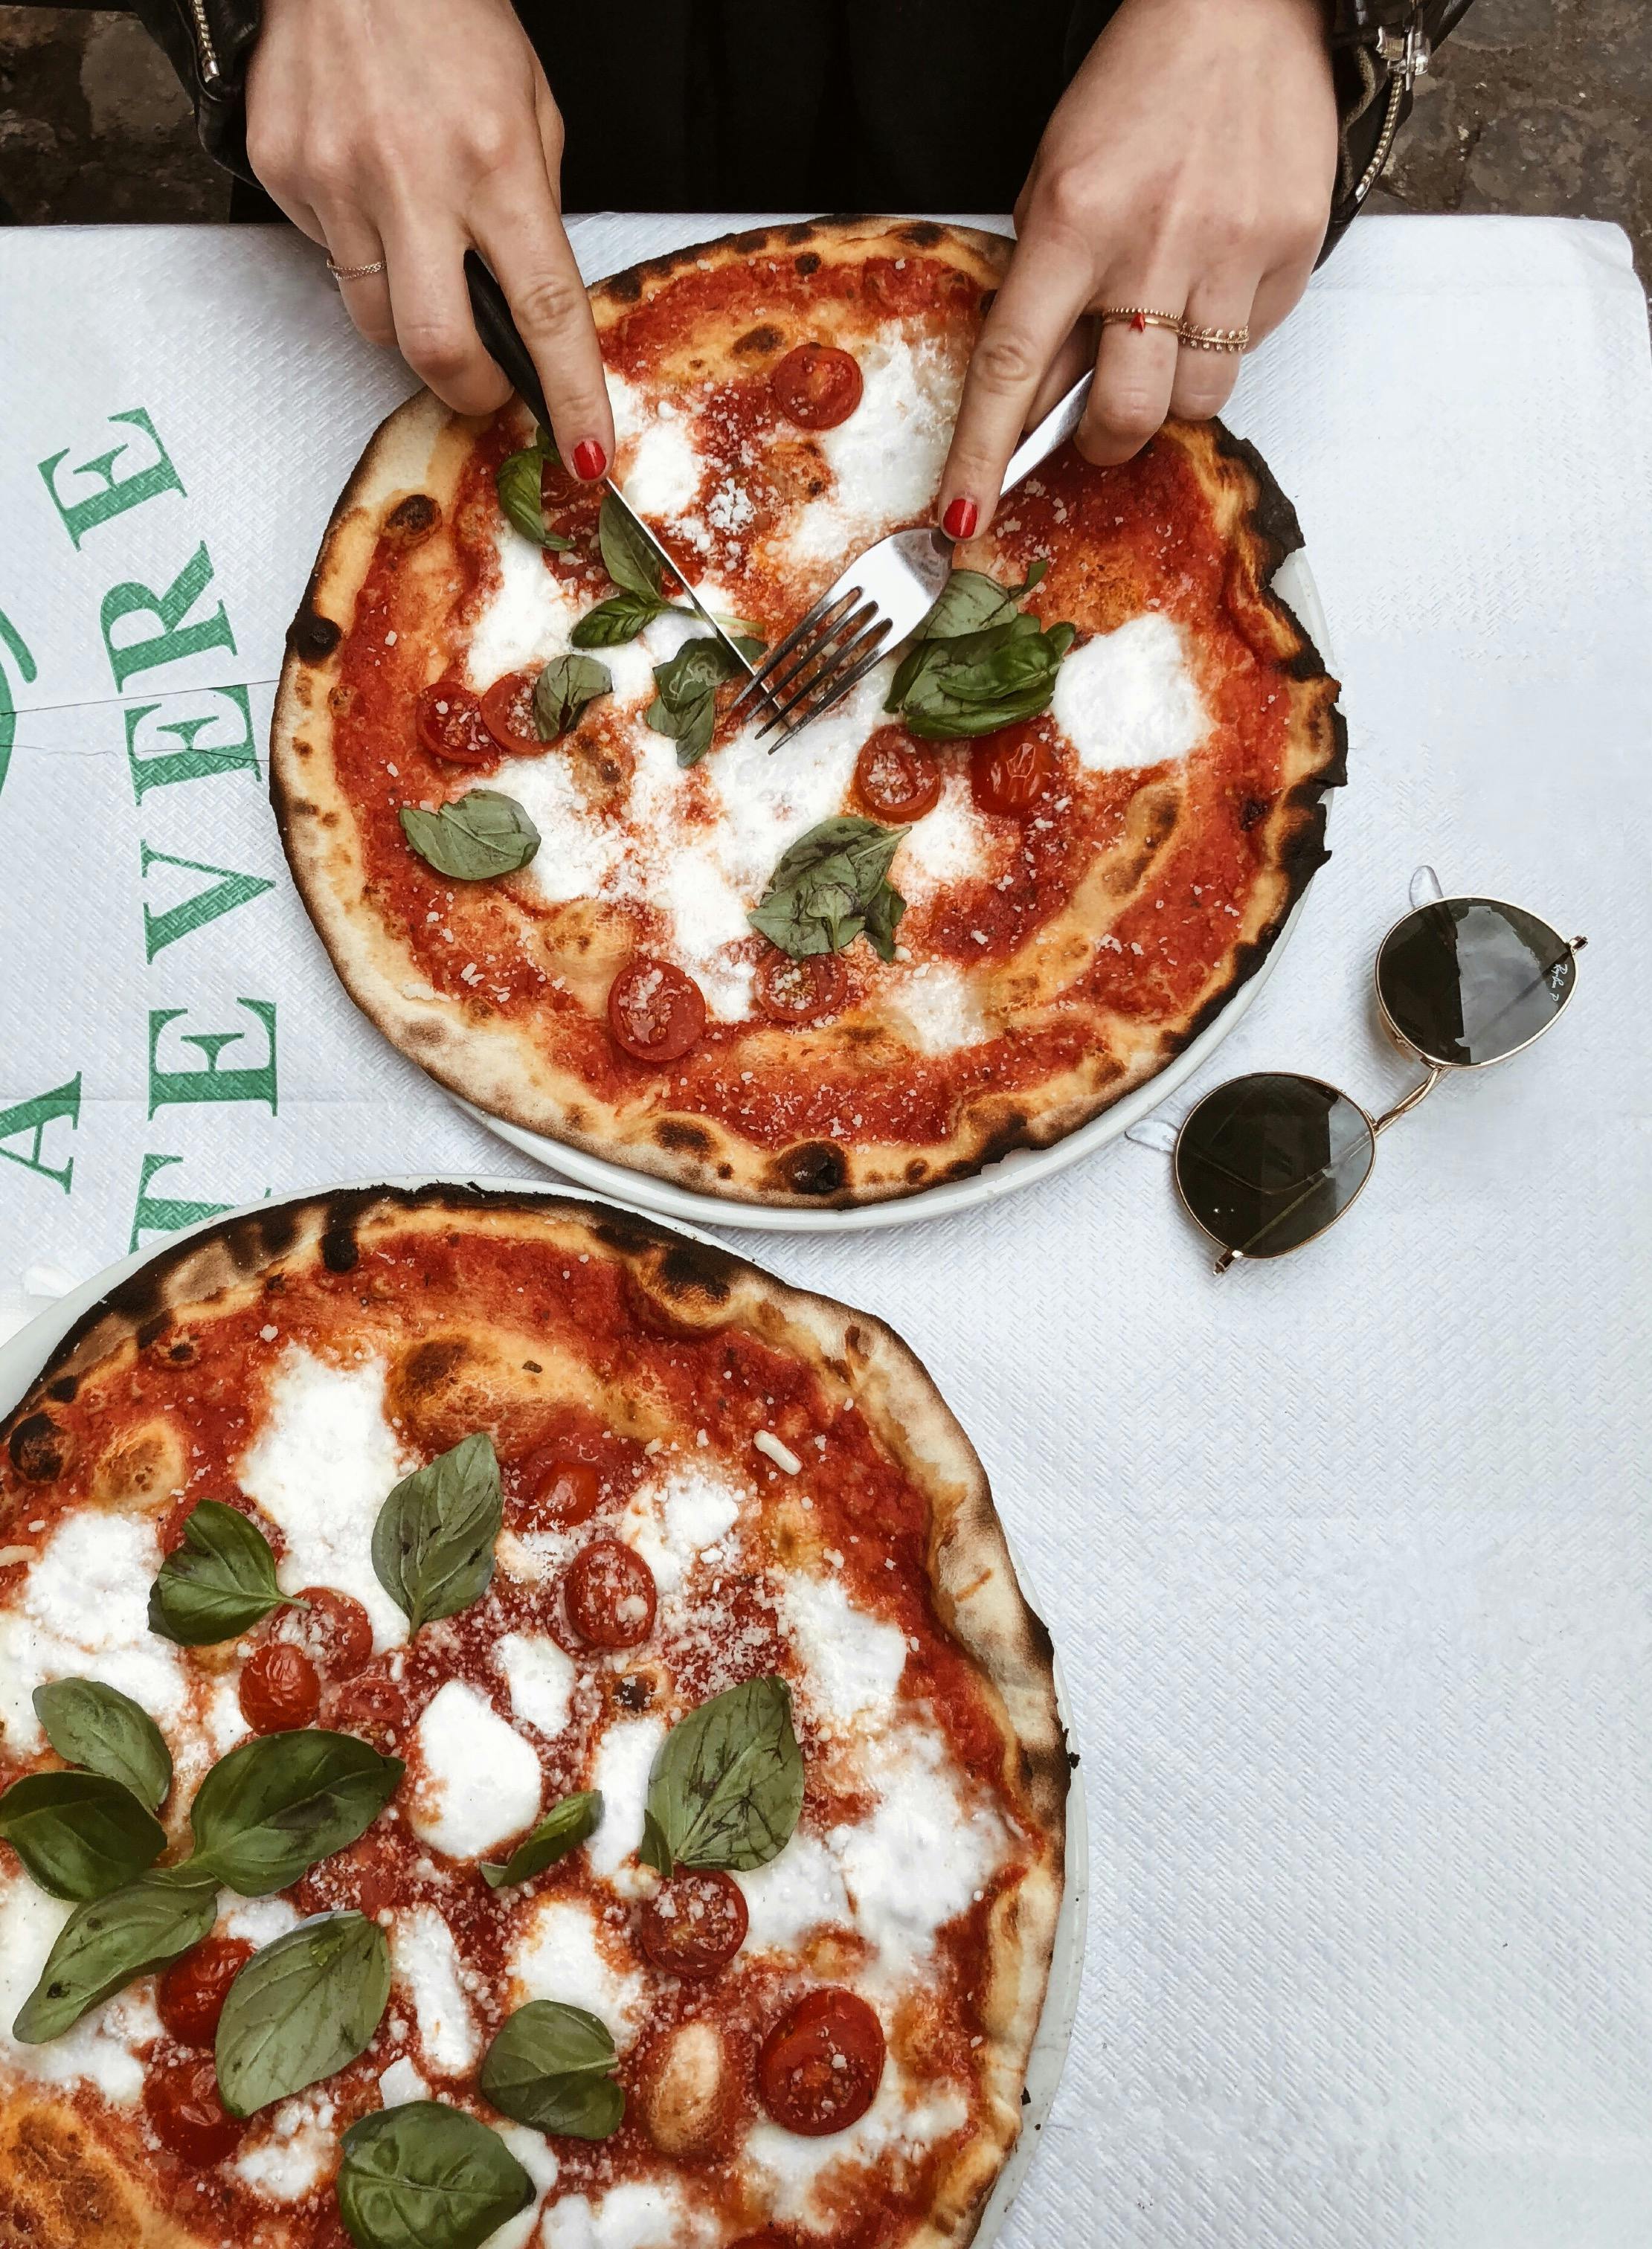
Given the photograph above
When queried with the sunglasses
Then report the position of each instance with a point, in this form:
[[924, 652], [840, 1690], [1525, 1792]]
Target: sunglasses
[[1265, 1164]]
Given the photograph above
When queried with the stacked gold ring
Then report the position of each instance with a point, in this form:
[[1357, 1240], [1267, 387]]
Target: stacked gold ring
[[355, 272], [1138, 316], [1187, 332], [1217, 339]]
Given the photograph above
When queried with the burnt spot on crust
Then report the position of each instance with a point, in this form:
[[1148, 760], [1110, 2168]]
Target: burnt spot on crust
[[813, 1167], [683, 1138], [923, 234], [62, 1390], [917, 1170], [58, 2190], [764, 337], [806, 261], [339, 1251], [1253, 809], [692, 1272], [151, 1330], [313, 637], [628, 287], [1270, 512], [428, 1366], [39, 1448], [413, 519]]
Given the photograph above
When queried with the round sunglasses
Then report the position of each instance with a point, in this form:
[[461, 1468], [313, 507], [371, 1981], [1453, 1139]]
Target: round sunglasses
[[1265, 1164]]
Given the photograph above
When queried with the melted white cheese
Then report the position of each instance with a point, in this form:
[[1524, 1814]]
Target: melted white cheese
[[945, 846], [674, 1522], [799, 1891], [534, 2152], [939, 1008], [557, 1957], [639, 2214], [886, 458], [540, 1675], [625, 1758], [258, 1921], [322, 1466], [852, 1661], [104, 2047], [291, 2150], [476, 1782], [791, 2168], [426, 1962], [401, 2083], [657, 468], [83, 1613], [526, 618], [1129, 699]]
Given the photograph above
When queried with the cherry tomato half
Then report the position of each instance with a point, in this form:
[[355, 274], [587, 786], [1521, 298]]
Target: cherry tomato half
[[189, 1997], [561, 1491], [610, 1595], [655, 1010], [280, 1689], [801, 991], [695, 1922], [1010, 772], [372, 1707], [182, 2099], [819, 2067], [508, 712], [448, 723], [335, 1631], [818, 386], [893, 778]]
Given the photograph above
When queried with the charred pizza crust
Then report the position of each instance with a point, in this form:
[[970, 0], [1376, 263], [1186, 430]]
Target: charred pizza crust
[[497, 1059]]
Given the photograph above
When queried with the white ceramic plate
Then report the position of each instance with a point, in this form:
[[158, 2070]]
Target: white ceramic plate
[[23, 1354], [1021, 1167]]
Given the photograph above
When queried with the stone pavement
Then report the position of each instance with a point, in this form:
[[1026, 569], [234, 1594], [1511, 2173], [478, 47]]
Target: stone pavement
[[1536, 106]]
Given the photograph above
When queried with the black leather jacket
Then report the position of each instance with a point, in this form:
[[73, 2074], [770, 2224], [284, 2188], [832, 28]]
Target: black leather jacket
[[1376, 44]]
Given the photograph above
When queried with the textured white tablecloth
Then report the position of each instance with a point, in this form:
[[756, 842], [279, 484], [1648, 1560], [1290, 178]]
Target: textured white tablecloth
[[1348, 1560]]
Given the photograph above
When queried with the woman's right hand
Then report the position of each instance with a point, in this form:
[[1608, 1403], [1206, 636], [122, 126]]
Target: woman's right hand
[[408, 130]]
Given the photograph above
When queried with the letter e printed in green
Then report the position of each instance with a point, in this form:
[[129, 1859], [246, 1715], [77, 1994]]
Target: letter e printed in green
[[208, 1082], [112, 495], [33, 1116], [154, 764]]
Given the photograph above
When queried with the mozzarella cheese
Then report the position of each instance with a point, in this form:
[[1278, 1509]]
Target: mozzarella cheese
[[83, 1613], [659, 470], [886, 458], [401, 2083], [558, 1956], [800, 1890], [939, 1008], [540, 1675], [947, 845], [672, 1523], [624, 1758], [425, 1961], [792, 2169], [476, 1782], [258, 1921], [639, 2214], [1129, 697], [322, 1466], [104, 2049], [526, 618], [852, 1661], [533, 2151], [290, 2152]]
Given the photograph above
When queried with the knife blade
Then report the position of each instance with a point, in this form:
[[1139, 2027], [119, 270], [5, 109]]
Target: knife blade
[[663, 553]]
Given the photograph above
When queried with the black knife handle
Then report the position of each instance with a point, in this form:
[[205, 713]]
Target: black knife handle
[[499, 332]]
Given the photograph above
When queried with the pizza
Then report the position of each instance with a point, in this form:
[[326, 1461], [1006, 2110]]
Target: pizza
[[999, 884], [515, 1727]]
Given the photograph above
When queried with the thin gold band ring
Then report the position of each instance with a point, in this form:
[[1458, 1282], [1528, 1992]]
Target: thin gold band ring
[[1139, 316], [1217, 339], [355, 272]]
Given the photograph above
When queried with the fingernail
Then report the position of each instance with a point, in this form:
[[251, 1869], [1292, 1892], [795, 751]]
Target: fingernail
[[960, 518], [589, 460]]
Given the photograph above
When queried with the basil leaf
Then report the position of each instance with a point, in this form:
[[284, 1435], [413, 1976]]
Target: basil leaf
[[684, 706], [830, 887], [620, 618], [628, 556], [218, 1583], [551, 2066], [91, 1724], [107, 1943], [481, 834], [517, 482], [266, 1813], [564, 1827], [80, 1834], [424, 2176], [563, 691], [433, 1541], [302, 2008], [970, 600], [727, 1784], [977, 663]]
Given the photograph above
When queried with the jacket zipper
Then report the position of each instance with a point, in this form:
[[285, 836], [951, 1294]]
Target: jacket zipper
[[207, 54], [1407, 54]]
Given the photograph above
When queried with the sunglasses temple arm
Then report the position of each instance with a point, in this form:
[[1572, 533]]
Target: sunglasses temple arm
[[1417, 1093]]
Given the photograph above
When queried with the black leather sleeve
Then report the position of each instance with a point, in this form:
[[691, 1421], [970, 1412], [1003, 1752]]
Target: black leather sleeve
[[209, 44], [1371, 102]]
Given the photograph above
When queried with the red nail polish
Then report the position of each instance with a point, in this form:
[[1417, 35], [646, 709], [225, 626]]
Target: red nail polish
[[589, 460], [960, 518]]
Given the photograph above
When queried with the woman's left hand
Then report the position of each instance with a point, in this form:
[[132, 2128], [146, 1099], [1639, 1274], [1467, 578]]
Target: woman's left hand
[[1187, 168]]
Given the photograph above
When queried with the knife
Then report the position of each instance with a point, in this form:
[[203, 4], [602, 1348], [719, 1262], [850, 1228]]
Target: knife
[[499, 332]]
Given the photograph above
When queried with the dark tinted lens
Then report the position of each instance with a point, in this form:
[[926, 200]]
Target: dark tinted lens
[[1265, 1163], [1469, 980]]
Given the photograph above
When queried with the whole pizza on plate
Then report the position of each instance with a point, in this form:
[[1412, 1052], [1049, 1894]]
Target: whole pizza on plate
[[998, 886], [514, 1727]]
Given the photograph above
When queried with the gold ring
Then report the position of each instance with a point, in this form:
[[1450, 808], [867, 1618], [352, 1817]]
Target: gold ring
[[354, 273], [1217, 339], [1139, 316]]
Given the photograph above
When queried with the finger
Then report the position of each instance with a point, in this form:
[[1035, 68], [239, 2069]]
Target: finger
[[1277, 294], [518, 230], [431, 312], [351, 241], [1069, 362], [1043, 292], [1135, 368], [1205, 376]]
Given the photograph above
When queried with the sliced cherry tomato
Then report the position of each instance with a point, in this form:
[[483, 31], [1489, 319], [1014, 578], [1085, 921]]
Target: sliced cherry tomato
[[508, 712], [1009, 774], [819, 2067], [561, 1491], [801, 991], [655, 1009], [609, 1594], [335, 1631], [695, 1923], [894, 779], [818, 386], [182, 2098], [280, 1689], [189, 1997], [449, 723], [373, 1706]]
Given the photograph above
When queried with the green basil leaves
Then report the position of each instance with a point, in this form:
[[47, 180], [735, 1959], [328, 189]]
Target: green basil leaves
[[266, 1813], [563, 1828], [80, 1834], [480, 834], [519, 488], [563, 691], [684, 706], [103, 1946], [433, 1541], [218, 1583], [552, 2067], [303, 2008], [98, 1727], [832, 886], [977, 663], [970, 601], [635, 566], [727, 1784], [424, 2176]]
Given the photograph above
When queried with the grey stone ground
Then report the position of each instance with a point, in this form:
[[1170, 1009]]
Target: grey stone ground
[[1536, 106]]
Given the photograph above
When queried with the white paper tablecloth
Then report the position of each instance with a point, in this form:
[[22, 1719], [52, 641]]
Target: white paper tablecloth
[[1348, 1560]]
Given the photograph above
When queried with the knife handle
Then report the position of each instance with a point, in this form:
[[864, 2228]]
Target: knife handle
[[499, 332], [1038, 444]]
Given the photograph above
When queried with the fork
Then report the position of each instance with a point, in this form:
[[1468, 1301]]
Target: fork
[[882, 597]]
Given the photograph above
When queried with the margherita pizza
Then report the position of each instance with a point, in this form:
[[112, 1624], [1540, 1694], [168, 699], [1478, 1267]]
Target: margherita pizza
[[999, 885], [516, 1727]]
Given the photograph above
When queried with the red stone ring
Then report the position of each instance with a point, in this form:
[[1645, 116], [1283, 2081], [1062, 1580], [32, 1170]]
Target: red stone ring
[[1140, 318]]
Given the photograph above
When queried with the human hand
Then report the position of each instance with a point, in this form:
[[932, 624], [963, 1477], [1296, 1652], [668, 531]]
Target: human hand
[[407, 130], [1189, 169]]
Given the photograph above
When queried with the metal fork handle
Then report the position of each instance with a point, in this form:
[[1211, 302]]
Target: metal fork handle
[[1057, 427]]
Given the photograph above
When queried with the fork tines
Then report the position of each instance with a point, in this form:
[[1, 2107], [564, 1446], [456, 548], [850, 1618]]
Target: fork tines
[[831, 647]]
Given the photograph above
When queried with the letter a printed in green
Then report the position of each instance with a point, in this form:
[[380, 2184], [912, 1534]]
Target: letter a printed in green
[[33, 1116]]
